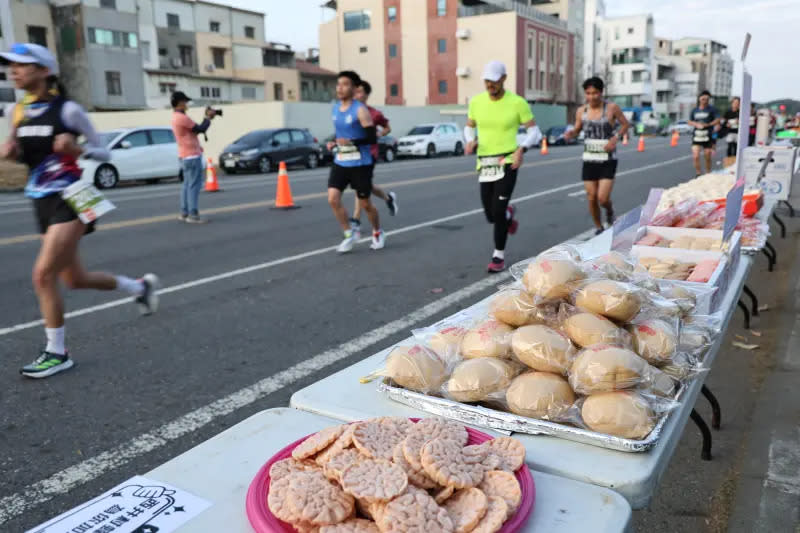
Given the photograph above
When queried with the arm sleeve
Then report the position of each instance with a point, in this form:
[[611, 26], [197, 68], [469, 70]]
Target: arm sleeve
[[202, 127], [371, 138], [524, 109], [75, 118]]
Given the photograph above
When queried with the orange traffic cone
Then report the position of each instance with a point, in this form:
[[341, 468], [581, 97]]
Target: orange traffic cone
[[212, 185], [625, 140], [641, 143], [544, 147], [283, 196], [674, 141]]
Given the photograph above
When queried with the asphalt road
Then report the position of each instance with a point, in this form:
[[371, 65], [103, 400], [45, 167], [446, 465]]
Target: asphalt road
[[249, 295]]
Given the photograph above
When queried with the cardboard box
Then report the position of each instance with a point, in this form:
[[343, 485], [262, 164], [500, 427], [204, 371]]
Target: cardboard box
[[777, 181]]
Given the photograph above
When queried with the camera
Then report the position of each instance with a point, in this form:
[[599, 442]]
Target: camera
[[217, 112]]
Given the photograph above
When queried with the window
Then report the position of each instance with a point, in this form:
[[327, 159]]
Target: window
[[37, 35], [356, 20], [616, 34], [173, 21], [219, 57], [542, 47], [186, 55], [133, 40], [391, 13], [552, 50], [215, 92], [162, 136], [393, 90], [442, 87], [250, 32], [442, 46], [205, 92], [282, 137], [249, 93], [392, 50], [144, 46], [213, 26], [441, 8], [113, 83], [137, 139], [162, 51], [3, 76], [166, 88], [530, 48], [530, 78], [630, 31], [298, 137], [110, 4], [362, 50], [278, 91], [540, 85]]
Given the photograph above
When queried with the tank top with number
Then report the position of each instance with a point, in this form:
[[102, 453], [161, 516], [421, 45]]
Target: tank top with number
[[596, 133], [347, 126]]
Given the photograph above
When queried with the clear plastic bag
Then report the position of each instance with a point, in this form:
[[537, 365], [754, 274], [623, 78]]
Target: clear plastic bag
[[605, 368], [487, 338], [626, 414], [696, 216], [613, 265], [444, 338], [612, 299], [477, 380], [655, 339], [415, 368], [587, 329], [540, 395], [514, 307], [542, 348], [671, 215], [548, 277]]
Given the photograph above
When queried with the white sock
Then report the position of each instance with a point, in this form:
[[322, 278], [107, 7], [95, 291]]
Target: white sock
[[500, 254], [131, 286], [55, 340]]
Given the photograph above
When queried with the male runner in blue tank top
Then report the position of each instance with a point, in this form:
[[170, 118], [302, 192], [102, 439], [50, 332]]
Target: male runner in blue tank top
[[352, 163]]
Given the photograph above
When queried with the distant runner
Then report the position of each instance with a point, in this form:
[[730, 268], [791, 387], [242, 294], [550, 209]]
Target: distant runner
[[731, 123], [603, 124], [379, 120], [703, 119], [44, 135], [497, 114], [352, 164]]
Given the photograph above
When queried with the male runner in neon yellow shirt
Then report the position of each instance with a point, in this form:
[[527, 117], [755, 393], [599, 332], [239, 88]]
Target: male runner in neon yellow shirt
[[497, 114]]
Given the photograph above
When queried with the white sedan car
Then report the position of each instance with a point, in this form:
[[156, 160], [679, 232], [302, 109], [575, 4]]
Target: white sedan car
[[136, 154], [430, 139]]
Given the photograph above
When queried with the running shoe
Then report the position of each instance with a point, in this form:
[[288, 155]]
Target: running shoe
[[148, 301], [513, 226], [497, 265], [598, 231], [355, 226], [347, 244], [378, 240], [391, 203], [183, 217], [610, 217], [195, 219], [46, 364]]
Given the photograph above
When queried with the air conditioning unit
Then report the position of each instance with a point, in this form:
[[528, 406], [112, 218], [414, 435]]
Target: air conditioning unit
[[463, 72], [463, 33], [175, 62], [209, 68]]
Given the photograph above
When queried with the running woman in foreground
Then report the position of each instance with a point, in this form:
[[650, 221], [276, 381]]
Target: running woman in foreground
[[44, 133], [703, 119], [599, 119], [363, 91], [498, 114], [352, 163]]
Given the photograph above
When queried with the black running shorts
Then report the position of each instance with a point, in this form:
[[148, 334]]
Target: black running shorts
[[54, 210], [594, 171], [706, 145], [358, 178]]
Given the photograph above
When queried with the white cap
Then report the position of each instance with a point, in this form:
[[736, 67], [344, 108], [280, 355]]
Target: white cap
[[31, 53], [494, 70]]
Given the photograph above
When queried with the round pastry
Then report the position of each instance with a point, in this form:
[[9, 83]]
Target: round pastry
[[542, 348], [586, 329], [622, 414], [540, 395], [610, 299], [414, 368], [474, 380], [655, 340], [446, 342], [604, 368], [513, 307], [549, 278], [488, 339], [617, 260]]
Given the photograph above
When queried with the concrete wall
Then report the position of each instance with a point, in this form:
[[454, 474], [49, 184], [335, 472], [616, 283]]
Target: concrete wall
[[31, 13], [329, 45], [491, 37], [205, 13], [289, 78], [171, 39], [205, 56], [414, 43], [184, 10], [240, 19]]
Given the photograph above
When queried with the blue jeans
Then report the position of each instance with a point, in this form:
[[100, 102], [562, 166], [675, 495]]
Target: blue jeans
[[192, 183]]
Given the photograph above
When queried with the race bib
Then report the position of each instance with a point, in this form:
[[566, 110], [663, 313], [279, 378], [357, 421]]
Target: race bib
[[491, 169], [701, 136], [348, 153], [87, 202], [594, 150], [731, 138]]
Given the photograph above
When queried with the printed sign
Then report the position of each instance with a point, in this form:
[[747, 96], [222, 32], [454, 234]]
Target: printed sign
[[744, 118], [650, 206], [733, 209], [625, 228], [139, 505]]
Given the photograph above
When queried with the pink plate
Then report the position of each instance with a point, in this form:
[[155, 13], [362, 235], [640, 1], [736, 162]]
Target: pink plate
[[263, 521]]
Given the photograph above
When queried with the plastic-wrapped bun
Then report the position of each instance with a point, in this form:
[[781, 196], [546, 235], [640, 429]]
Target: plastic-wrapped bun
[[513, 307], [655, 340], [540, 395], [617, 260], [609, 298], [542, 348], [661, 383], [414, 368], [474, 380], [549, 278], [446, 342], [587, 329], [563, 249], [622, 414], [488, 339], [606, 368]]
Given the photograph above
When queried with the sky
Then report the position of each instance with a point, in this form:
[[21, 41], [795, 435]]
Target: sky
[[774, 24]]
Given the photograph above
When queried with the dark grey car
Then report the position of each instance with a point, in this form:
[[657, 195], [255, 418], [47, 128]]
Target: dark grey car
[[263, 150]]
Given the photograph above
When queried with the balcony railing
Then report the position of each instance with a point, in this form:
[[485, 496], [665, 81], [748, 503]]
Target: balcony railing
[[500, 6]]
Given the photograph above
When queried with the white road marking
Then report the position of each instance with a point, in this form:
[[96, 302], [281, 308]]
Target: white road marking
[[88, 470], [311, 253], [577, 193]]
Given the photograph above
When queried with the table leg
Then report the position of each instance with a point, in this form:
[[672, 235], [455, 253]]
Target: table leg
[[746, 312], [791, 209], [770, 259], [716, 414], [705, 454], [774, 252], [780, 223], [753, 299]]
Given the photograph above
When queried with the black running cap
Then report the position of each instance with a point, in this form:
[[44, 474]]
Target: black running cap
[[178, 97]]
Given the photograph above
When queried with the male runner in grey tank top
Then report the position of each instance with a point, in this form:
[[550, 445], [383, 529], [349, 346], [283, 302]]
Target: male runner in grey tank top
[[603, 124]]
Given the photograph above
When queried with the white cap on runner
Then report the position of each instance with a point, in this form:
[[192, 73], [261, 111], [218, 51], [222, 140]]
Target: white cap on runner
[[494, 70]]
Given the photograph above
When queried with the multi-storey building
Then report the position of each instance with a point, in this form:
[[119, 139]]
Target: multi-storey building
[[627, 53], [711, 57], [422, 52]]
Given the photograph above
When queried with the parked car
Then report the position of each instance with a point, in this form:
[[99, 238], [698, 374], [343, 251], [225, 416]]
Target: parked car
[[262, 150], [431, 139], [681, 127], [136, 154], [387, 149], [555, 135]]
